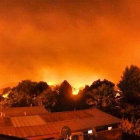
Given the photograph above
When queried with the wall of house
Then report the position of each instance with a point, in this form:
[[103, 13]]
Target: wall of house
[[115, 134], [6, 137]]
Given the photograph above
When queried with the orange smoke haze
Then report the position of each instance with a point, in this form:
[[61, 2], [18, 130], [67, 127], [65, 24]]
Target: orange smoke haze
[[76, 40]]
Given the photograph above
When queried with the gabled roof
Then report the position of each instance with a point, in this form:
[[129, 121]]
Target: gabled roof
[[53, 122]]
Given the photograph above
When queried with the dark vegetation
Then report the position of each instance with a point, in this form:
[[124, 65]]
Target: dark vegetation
[[122, 100]]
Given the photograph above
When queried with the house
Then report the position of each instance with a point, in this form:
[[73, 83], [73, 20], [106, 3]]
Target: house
[[35, 123]]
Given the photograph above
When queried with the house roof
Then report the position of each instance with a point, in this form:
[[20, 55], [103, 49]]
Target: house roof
[[20, 111], [50, 124]]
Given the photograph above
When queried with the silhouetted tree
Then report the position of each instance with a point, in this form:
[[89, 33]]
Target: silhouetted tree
[[130, 84], [40, 87], [47, 98], [1, 98], [26, 93], [64, 97], [101, 93], [65, 89], [6, 90]]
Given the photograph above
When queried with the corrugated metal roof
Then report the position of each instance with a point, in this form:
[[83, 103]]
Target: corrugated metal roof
[[76, 120], [20, 111], [22, 121]]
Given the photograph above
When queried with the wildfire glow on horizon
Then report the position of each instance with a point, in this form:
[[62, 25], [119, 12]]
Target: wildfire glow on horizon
[[78, 41], [75, 91]]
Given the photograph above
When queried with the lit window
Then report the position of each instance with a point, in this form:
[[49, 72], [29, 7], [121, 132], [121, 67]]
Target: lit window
[[89, 131], [109, 128]]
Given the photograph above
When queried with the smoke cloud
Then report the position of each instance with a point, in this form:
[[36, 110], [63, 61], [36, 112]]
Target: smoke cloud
[[79, 41]]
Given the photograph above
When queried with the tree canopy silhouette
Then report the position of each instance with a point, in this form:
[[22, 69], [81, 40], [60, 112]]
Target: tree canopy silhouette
[[64, 100], [130, 84], [100, 92]]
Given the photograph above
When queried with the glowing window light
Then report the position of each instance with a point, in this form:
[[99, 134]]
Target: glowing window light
[[109, 128], [89, 131], [117, 95]]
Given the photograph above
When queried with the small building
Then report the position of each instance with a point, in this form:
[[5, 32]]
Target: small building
[[35, 123]]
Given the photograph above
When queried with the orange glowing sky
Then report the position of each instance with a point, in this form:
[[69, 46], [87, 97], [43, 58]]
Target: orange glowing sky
[[76, 40]]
